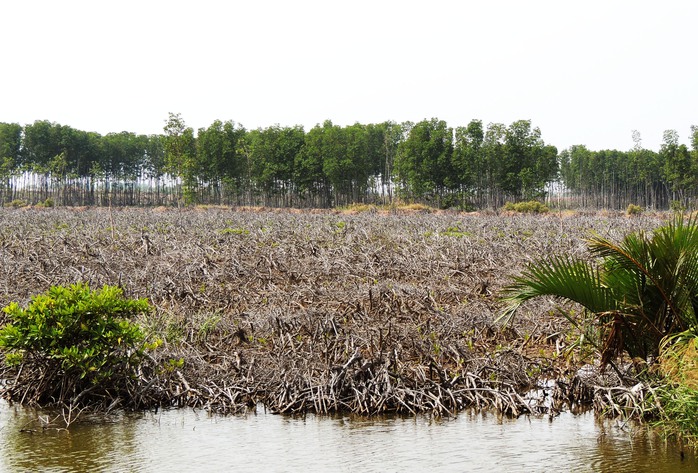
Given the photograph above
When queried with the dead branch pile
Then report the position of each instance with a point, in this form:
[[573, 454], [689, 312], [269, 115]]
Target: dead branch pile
[[369, 313]]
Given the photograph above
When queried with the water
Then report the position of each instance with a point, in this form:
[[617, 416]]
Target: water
[[184, 440]]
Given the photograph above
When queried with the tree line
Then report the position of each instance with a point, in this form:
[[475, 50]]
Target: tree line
[[614, 179], [468, 167]]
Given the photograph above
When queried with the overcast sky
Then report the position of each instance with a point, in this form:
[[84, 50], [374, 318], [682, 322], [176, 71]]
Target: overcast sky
[[585, 72]]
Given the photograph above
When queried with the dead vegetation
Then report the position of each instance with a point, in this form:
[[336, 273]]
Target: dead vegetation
[[316, 312]]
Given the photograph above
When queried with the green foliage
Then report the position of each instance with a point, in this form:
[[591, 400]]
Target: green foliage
[[173, 364], [634, 209], [423, 164], [676, 206], [645, 287], [678, 396], [271, 152], [233, 231], [76, 336], [17, 203], [308, 171], [208, 326], [455, 232], [10, 143], [180, 156], [532, 206], [679, 412], [457, 201], [463, 168], [527, 164]]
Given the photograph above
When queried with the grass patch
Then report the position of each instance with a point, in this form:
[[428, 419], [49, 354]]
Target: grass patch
[[456, 232], [532, 206], [233, 231]]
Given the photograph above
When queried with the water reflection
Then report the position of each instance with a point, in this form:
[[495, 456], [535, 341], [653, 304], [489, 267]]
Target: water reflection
[[183, 440]]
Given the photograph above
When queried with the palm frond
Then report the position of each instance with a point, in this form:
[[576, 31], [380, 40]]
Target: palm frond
[[667, 267], [562, 277], [645, 287], [676, 245], [636, 256]]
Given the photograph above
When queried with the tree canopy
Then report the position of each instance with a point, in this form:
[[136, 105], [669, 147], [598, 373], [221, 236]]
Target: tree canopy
[[466, 167]]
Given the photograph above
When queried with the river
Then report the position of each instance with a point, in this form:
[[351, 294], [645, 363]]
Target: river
[[186, 440]]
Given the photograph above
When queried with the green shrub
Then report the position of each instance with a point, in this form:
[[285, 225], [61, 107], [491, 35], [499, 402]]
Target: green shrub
[[634, 209], [71, 341], [46, 203], [677, 206], [532, 206], [17, 203]]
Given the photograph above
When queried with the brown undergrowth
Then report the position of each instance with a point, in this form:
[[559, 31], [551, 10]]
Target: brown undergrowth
[[316, 311]]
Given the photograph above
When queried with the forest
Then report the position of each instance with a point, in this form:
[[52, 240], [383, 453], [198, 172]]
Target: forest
[[467, 167]]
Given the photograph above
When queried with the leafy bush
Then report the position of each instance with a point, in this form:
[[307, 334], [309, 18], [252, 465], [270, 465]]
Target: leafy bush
[[17, 203], [634, 209], [46, 203], [71, 342], [532, 206]]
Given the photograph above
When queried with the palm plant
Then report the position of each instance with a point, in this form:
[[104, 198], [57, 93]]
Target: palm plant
[[641, 290]]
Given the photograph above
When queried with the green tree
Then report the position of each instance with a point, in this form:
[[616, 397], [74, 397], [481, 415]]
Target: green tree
[[219, 160], [154, 156], [123, 155], [309, 174], [392, 134], [10, 157], [677, 168], [468, 160], [644, 175], [273, 151], [180, 155], [346, 161], [493, 151], [423, 165], [527, 164], [10, 141], [42, 142]]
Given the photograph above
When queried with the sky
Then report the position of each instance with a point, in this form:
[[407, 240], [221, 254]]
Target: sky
[[585, 72]]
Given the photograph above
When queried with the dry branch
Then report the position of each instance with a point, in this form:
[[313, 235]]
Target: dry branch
[[382, 313]]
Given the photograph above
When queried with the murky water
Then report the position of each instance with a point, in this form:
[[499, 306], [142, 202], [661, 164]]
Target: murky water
[[183, 440]]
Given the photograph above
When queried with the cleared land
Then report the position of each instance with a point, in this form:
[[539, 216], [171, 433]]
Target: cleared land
[[367, 312]]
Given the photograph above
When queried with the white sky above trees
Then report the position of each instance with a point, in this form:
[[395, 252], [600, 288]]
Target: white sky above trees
[[585, 72]]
